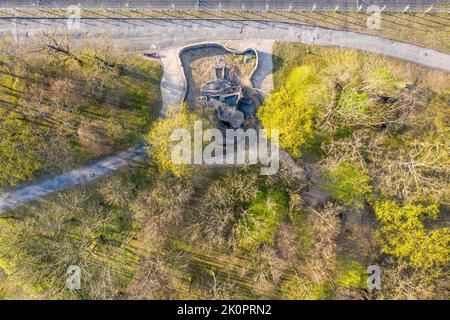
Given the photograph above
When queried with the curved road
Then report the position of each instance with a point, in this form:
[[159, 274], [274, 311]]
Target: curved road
[[145, 34], [137, 34]]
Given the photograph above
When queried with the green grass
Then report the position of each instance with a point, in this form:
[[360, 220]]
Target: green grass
[[347, 184], [349, 272]]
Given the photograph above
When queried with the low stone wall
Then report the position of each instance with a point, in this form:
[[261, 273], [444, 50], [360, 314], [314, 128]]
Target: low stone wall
[[206, 45]]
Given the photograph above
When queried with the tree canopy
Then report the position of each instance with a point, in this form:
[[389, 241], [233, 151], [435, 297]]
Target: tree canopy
[[292, 110], [347, 184], [19, 147], [162, 145], [404, 235]]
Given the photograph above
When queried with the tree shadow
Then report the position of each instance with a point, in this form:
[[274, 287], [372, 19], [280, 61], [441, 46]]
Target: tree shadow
[[277, 62]]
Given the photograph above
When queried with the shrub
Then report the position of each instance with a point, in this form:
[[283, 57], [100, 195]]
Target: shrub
[[259, 224], [347, 184], [403, 234], [350, 273], [297, 287]]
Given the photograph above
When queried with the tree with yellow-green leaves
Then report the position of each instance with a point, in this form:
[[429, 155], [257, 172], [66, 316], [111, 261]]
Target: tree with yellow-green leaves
[[403, 234], [292, 110], [347, 184], [19, 147], [163, 143]]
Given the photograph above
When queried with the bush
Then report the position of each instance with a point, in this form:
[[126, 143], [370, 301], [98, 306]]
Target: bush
[[347, 184], [403, 234], [349, 273], [260, 222]]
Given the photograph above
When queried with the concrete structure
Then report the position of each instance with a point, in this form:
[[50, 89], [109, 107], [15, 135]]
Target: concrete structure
[[226, 94]]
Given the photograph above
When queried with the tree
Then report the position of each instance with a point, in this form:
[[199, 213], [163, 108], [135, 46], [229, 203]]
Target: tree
[[163, 207], [60, 48], [161, 143], [403, 234], [260, 222], [298, 287], [292, 110], [418, 172], [325, 226], [19, 147], [402, 283], [347, 184]]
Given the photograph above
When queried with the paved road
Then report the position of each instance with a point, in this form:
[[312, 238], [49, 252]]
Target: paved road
[[143, 34], [393, 5], [169, 33], [79, 176]]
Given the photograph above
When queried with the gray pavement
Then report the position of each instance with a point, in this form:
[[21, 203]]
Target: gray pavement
[[145, 34]]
